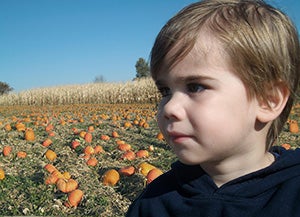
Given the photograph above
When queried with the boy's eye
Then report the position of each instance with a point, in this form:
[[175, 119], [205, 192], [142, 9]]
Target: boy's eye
[[164, 91], [194, 87]]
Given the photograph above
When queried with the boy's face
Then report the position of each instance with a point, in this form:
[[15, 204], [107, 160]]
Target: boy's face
[[205, 114]]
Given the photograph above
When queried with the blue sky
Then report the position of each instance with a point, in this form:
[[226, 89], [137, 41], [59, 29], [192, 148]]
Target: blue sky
[[56, 42]]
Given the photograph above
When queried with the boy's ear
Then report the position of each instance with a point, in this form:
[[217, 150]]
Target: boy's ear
[[277, 97]]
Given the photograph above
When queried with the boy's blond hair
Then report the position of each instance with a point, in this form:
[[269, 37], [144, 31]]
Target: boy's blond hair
[[261, 42]]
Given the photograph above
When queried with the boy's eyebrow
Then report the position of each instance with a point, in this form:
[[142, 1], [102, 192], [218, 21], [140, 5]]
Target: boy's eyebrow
[[190, 78], [195, 78]]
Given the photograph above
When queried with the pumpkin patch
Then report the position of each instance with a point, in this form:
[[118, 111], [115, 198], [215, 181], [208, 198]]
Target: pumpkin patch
[[85, 159]]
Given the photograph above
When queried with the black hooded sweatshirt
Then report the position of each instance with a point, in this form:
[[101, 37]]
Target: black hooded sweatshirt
[[188, 191]]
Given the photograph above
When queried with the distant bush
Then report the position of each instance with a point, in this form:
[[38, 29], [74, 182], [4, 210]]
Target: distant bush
[[4, 88]]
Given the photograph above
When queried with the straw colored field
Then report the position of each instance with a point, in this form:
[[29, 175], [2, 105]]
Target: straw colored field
[[138, 91]]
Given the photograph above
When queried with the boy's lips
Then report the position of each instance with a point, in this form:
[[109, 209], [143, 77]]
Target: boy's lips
[[177, 137]]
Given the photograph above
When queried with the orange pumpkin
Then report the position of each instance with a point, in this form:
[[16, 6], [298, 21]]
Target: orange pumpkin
[[20, 126], [57, 174], [75, 144], [51, 179], [21, 154], [61, 184], [7, 127], [105, 137], [115, 134], [128, 155], [50, 155], [66, 175], [127, 170], [74, 198], [50, 168], [141, 122], [49, 127], [120, 142], [286, 146], [29, 135], [7, 150], [88, 137], [66, 186], [47, 142], [2, 174], [160, 136], [98, 149], [136, 122], [75, 130], [92, 162], [153, 174], [145, 167], [294, 128], [51, 134], [127, 124], [124, 147], [88, 150], [111, 177], [82, 134], [142, 154], [91, 129], [146, 125]]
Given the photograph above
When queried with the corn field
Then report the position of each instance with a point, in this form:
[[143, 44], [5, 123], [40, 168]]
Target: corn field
[[138, 91]]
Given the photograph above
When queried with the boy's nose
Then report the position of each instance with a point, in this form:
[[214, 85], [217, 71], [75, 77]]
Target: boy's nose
[[174, 108]]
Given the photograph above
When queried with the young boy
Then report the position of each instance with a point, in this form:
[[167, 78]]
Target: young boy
[[228, 71]]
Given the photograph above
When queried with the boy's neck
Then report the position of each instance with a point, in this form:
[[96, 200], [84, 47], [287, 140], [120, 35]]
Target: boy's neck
[[223, 172]]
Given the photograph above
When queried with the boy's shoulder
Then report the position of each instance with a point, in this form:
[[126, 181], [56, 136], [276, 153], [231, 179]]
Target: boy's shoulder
[[188, 189], [285, 168]]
